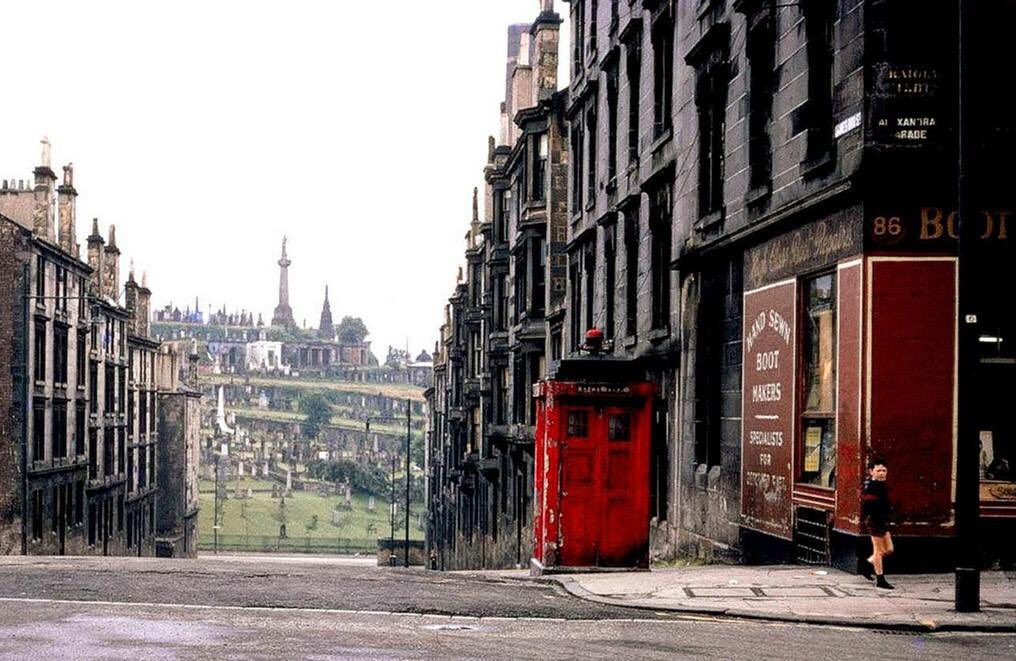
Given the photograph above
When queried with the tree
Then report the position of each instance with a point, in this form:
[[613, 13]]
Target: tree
[[318, 411], [352, 330]]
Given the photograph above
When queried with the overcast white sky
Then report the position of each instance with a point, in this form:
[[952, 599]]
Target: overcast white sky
[[207, 130]]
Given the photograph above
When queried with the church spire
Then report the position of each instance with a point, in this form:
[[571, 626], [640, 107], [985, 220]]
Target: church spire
[[283, 313], [326, 329]]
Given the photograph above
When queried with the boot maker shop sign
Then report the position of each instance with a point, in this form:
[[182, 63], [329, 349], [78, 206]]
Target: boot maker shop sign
[[767, 442]]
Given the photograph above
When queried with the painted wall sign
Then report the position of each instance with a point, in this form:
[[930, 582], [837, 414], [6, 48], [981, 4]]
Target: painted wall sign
[[906, 105], [767, 441], [934, 227], [805, 248]]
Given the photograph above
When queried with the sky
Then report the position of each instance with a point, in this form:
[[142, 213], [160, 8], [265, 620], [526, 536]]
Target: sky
[[205, 131]]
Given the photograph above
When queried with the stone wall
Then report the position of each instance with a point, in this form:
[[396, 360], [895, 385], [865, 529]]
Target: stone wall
[[13, 245]]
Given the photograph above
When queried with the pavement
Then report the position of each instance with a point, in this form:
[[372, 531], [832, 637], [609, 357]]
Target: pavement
[[800, 594]]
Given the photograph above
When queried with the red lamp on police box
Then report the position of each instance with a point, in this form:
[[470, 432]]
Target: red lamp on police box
[[594, 344]]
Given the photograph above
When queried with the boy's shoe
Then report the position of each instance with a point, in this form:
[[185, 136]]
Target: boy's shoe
[[866, 572], [880, 582]]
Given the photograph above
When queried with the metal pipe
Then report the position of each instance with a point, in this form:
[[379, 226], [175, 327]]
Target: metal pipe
[[968, 577]]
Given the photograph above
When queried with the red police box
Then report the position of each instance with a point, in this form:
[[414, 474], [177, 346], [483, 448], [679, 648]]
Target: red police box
[[592, 474]]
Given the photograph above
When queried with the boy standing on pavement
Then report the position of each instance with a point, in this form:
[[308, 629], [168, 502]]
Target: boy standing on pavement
[[875, 512]]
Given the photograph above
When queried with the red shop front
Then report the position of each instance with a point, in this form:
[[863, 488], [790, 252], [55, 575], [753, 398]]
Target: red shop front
[[592, 474], [846, 362]]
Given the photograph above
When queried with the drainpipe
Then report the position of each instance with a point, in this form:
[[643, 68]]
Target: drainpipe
[[23, 359]]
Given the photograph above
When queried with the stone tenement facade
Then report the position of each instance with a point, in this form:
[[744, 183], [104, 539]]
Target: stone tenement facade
[[78, 436], [503, 324], [761, 221]]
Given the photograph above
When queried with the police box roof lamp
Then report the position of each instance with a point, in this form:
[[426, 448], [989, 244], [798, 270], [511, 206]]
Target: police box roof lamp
[[594, 342]]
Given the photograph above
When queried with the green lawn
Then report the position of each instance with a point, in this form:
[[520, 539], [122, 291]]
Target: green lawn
[[254, 523]]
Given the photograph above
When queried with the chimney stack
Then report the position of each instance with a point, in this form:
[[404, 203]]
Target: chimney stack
[[546, 38], [111, 267], [144, 312], [96, 258], [67, 210], [42, 216], [131, 301]]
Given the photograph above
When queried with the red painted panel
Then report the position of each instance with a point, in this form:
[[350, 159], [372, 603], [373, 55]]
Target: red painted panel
[[849, 472], [767, 441], [912, 376], [592, 489]]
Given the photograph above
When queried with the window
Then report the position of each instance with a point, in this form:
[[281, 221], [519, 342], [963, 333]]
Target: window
[[477, 353], [501, 292], [634, 69], [40, 350], [540, 156], [818, 26], [110, 390], [631, 274], [108, 451], [93, 386], [575, 307], [576, 166], [578, 35], [130, 469], [519, 390], [593, 10], [39, 430], [578, 424], [93, 453], [501, 397], [521, 293], [619, 426], [60, 354], [661, 232], [92, 523], [79, 429], [82, 299], [589, 270], [761, 52], [61, 289], [500, 219], [711, 99], [591, 131], [37, 515], [40, 281], [610, 268], [663, 77], [611, 124], [81, 358], [121, 450], [818, 418], [614, 15], [539, 262], [59, 430], [79, 502]]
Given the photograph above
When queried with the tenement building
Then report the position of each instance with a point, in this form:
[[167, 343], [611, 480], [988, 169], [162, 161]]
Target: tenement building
[[78, 434], [504, 323], [762, 222]]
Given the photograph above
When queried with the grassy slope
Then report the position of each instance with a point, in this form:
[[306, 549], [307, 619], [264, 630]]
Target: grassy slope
[[262, 514]]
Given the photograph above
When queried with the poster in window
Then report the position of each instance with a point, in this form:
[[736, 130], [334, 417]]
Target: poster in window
[[812, 449]]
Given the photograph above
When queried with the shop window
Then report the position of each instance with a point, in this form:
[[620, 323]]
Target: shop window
[[578, 424], [818, 370]]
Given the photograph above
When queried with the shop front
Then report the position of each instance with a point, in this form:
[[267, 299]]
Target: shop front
[[850, 352]]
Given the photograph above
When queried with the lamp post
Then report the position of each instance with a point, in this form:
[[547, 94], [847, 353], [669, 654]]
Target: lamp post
[[409, 415], [968, 577]]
